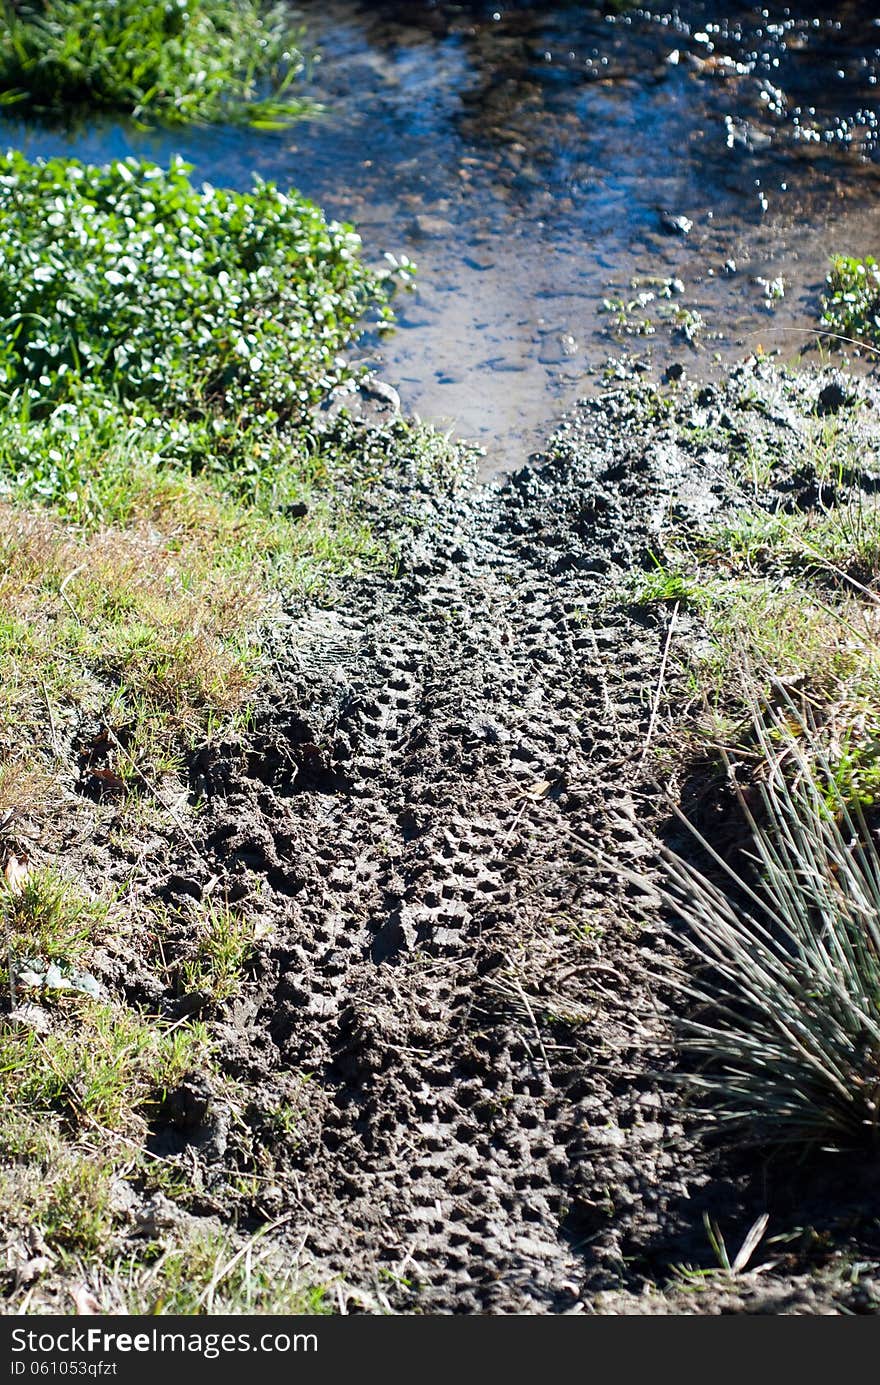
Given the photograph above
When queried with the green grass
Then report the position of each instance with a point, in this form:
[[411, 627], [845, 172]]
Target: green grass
[[151, 624], [58, 1185], [781, 598], [207, 1273], [162, 347], [104, 1069], [851, 301], [48, 918], [224, 942], [173, 61]]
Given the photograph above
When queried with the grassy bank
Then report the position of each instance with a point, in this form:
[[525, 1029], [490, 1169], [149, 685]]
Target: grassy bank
[[188, 60], [160, 482], [164, 492], [773, 728]]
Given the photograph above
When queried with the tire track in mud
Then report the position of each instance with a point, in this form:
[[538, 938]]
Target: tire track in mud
[[449, 967]]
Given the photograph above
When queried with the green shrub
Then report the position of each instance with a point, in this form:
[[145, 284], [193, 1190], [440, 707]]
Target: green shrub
[[851, 303], [176, 60], [128, 282]]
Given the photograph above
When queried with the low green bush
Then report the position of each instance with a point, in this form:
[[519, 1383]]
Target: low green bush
[[130, 282]]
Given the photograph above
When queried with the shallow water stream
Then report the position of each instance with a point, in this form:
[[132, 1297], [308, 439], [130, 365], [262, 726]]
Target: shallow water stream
[[541, 161]]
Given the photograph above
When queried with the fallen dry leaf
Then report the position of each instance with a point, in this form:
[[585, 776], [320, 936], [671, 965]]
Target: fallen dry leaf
[[15, 873], [540, 789], [107, 778]]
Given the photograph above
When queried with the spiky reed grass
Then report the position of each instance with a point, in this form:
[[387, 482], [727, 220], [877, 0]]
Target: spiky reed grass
[[781, 969]]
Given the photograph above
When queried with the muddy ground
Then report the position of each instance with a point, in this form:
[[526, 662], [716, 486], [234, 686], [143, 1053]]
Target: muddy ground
[[456, 993]]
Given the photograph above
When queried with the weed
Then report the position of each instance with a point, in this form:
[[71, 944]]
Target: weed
[[224, 943], [49, 919]]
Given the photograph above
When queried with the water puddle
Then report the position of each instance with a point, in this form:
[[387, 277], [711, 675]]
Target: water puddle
[[542, 161]]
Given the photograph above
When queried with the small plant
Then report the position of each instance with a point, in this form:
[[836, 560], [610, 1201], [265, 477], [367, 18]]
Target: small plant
[[169, 60], [851, 302], [855, 767], [663, 585], [224, 944]]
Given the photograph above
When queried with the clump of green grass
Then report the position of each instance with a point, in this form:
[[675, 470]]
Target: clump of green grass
[[174, 61], [48, 917], [77, 1102], [224, 942], [128, 282], [51, 1183], [851, 302], [106, 1068], [210, 1273], [784, 1021]]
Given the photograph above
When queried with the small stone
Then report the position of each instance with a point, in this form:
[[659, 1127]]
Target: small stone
[[676, 225], [380, 392], [425, 226]]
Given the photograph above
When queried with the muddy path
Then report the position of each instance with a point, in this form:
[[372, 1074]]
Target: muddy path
[[456, 996], [407, 810]]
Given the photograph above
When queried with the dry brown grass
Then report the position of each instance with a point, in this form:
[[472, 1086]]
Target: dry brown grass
[[144, 624]]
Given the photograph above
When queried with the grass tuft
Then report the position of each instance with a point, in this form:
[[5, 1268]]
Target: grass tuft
[[105, 1069], [54, 1186], [784, 1021], [48, 918], [206, 1272], [224, 943], [176, 61]]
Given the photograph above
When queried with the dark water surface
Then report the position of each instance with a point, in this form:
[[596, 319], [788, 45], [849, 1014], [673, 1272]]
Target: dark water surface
[[533, 159]]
